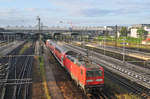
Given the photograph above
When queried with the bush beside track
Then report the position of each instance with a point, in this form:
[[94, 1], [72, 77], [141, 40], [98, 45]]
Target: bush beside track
[[41, 62], [25, 47], [133, 43], [116, 91], [37, 85]]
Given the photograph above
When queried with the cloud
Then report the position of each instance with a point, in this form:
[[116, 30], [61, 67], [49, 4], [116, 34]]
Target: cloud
[[98, 12], [15, 16], [77, 11], [6, 0], [101, 8], [95, 12], [70, 7]]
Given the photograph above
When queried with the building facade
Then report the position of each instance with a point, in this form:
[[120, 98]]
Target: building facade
[[134, 28]]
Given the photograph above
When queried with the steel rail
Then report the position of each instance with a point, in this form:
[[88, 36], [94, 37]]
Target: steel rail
[[119, 50], [28, 76], [4, 85], [11, 64], [22, 73], [136, 89]]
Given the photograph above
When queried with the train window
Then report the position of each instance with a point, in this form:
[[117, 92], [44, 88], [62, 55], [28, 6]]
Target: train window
[[70, 58], [94, 73], [81, 72], [90, 74], [78, 63], [98, 73], [58, 50]]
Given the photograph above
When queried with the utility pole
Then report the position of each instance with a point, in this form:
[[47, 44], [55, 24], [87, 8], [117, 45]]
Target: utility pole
[[116, 36], [105, 40], [124, 43], [39, 23], [39, 26], [7, 38], [81, 34]]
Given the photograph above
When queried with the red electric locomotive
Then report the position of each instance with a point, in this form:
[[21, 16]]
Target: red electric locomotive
[[87, 74]]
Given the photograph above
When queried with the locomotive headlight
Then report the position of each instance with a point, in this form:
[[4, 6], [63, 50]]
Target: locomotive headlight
[[99, 79], [89, 80]]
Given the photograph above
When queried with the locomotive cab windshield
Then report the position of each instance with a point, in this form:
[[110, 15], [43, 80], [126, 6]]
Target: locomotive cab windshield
[[94, 76], [94, 73]]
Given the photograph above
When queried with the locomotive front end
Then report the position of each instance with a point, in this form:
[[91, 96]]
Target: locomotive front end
[[94, 79]]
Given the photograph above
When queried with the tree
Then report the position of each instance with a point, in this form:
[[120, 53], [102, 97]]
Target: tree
[[141, 33], [124, 31]]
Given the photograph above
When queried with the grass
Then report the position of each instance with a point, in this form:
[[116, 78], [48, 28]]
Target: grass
[[131, 42], [121, 39], [41, 61], [25, 47]]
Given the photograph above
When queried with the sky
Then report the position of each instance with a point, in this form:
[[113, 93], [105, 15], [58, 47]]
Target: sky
[[75, 12]]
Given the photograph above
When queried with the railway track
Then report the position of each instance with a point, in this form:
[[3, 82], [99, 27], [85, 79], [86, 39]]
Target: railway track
[[5, 61], [141, 59], [3, 43], [130, 86], [18, 82], [121, 51], [98, 95], [117, 49], [131, 71], [139, 89]]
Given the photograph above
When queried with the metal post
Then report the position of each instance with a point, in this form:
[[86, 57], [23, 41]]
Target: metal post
[[116, 36], [15, 87], [3, 36], [123, 50], [81, 34], [39, 25], [8, 38], [105, 41]]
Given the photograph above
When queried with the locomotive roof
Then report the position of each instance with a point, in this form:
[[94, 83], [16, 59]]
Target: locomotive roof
[[59, 47], [89, 64], [84, 60], [72, 53], [62, 49], [52, 42]]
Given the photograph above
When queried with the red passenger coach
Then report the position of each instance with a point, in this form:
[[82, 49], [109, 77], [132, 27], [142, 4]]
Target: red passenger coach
[[88, 75], [51, 45], [59, 52]]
